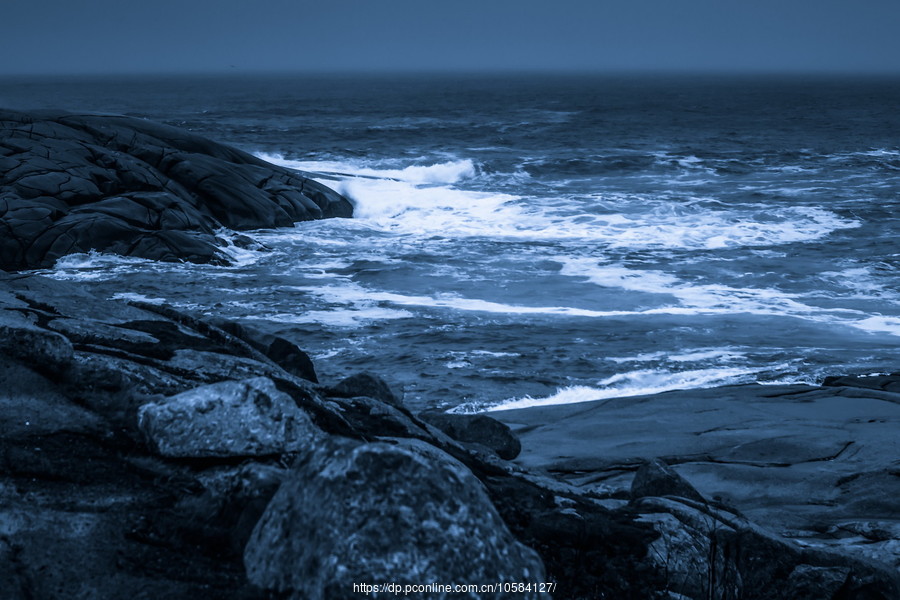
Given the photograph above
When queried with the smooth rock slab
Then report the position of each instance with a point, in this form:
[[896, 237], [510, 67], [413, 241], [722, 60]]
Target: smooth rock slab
[[230, 418], [406, 513]]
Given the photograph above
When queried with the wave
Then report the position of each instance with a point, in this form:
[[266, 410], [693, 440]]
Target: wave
[[637, 383], [702, 297], [425, 200], [697, 354], [347, 318], [352, 296], [701, 227], [706, 299], [98, 266], [448, 172]]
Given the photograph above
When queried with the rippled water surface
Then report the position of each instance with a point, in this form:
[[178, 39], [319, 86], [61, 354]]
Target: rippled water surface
[[549, 239]]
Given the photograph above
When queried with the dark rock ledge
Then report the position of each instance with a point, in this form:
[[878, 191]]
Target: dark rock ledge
[[73, 183], [145, 453]]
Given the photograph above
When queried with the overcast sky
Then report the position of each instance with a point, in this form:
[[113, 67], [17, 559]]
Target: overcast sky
[[129, 36]]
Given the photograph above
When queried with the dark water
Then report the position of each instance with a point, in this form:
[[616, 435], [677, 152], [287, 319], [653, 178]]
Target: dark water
[[564, 237]]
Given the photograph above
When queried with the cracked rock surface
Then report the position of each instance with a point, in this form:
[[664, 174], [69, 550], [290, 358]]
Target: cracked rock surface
[[72, 183]]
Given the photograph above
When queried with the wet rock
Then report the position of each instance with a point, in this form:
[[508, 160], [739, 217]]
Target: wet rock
[[282, 351], [52, 299], [232, 418], [365, 384], [477, 429], [212, 367], [796, 458], [377, 418], [291, 358], [656, 478], [872, 493], [31, 404], [688, 554], [16, 584], [21, 339], [405, 513], [82, 331], [810, 582], [706, 552], [74, 183], [233, 501], [886, 383]]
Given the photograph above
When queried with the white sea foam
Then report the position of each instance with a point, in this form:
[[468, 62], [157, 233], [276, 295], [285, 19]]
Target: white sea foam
[[459, 360], [238, 255], [138, 298], [636, 383], [355, 295], [703, 297], [696, 300], [696, 355], [425, 200], [444, 172], [863, 282], [344, 317], [97, 266], [879, 324], [721, 299]]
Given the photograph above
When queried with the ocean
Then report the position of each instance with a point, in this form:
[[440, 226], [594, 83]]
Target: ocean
[[524, 239]]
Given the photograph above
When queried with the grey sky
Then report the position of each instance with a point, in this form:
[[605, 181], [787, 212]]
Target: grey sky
[[125, 36]]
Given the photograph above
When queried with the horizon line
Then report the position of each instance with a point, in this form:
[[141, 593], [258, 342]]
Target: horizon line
[[487, 72]]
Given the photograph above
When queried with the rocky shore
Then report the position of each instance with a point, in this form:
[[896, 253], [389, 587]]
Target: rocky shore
[[73, 183], [146, 452]]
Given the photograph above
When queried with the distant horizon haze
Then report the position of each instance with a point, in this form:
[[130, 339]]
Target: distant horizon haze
[[100, 37]]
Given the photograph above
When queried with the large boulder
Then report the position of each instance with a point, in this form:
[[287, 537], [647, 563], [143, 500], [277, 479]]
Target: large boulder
[[405, 513], [477, 429], [73, 183], [232, 418], [367, 385]]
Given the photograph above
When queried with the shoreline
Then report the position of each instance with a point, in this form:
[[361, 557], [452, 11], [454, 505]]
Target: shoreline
[[81, 375], [147, 449]]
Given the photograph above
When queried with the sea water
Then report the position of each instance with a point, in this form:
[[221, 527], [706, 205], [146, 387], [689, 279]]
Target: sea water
[[537, 239]]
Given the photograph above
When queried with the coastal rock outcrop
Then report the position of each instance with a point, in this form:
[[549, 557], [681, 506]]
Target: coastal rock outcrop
[[145, 450], [814, 465], [74, 183], [405, 513]]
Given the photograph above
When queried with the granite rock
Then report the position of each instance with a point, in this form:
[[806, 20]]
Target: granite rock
[[73, 183], [482, 430], [404, 513], [365, 384], [232, 418], [656, 478]]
